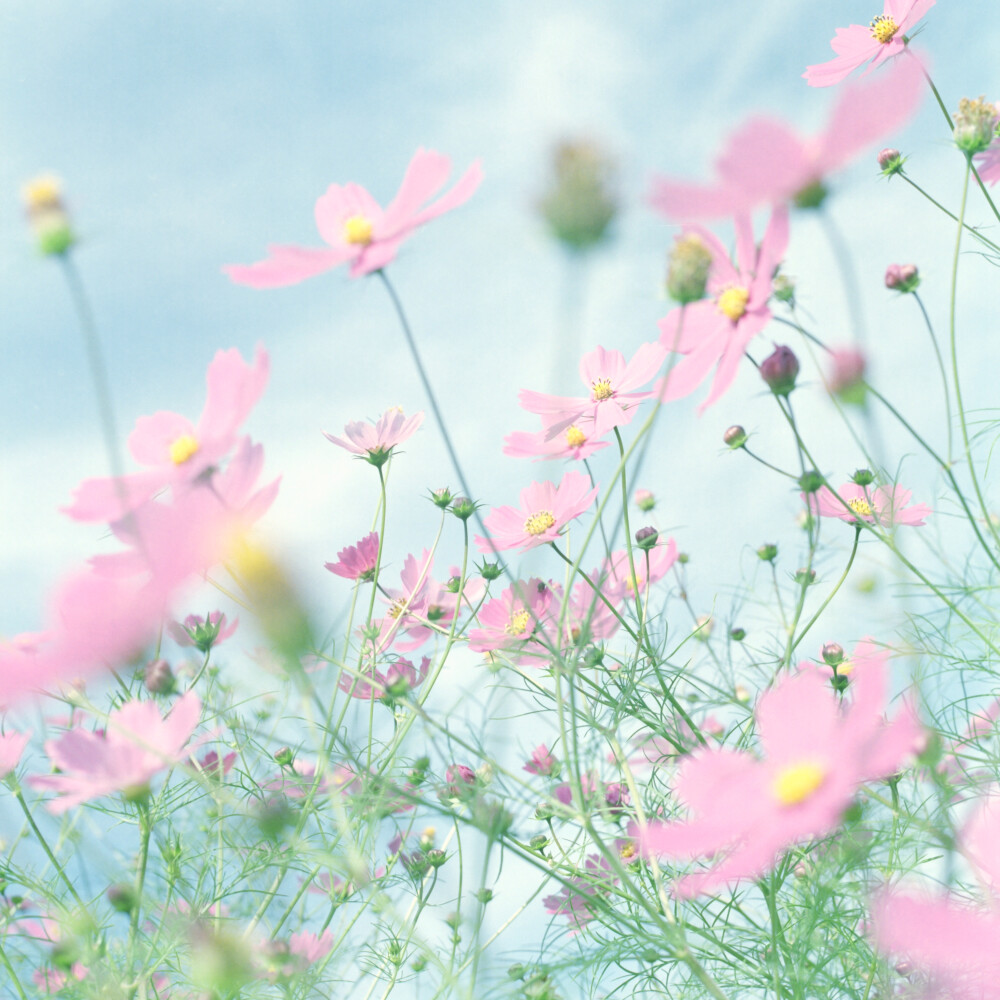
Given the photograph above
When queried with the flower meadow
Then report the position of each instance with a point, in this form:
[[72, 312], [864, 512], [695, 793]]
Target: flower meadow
[[526, 758]]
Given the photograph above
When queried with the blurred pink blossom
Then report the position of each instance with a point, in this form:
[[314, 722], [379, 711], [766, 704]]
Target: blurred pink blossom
[[358, 230]]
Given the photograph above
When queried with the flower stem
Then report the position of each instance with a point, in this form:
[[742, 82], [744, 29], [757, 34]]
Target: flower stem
[[45, 847]]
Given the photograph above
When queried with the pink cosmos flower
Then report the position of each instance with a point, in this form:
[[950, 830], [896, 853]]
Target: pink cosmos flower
[[374, 442], [176, 451], [11, 747], [847, 374], [545, 510], [509, 622], [399, 677], [542, 762], [882, 39], [611, 399], [357, 562], [951, 942], [203, 633], [309, 947], [572, 443], [817, 752], [650, 567], [886, 507], [358, 230], [581, 902], [137, 744], [767, 162], [715, 332]]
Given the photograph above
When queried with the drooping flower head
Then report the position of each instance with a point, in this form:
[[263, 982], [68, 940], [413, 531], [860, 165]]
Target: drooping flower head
[[357, 562], [883, 38], [715, 332], [375, 442], [358, 230], [816, 752], [545, 510], [137, 744], [879, 505], [176, 451], [767, 162], [611, 398]]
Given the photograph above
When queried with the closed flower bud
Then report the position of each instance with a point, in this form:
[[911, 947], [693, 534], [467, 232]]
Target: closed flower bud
[[463, 508], [890, 162], [454, 582], [847, 377], [779, 370], [863, 477], [484, 896], [810, 481], [768, 552], [687, 268], [975, 125], [646, 538], [833, 654], [735, 436], [805, 577], [47, 215], [902, 277], [122, 898], [538, 841], [544, 811], [436, 858], [737, 634], [490, 571], [580, 205], [703, 627], [284, 756], [811, 196], [441, 497], [645, 500], [158, 677], [783, 288]]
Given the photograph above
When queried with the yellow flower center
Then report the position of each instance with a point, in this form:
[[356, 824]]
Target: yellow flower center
[[632, 586], [518, 623], [845, 667], [397, 608], [627, 852], [575, 438], [733, 302], [358, 230], [797, 782], [183, 448], [42, 192], [539, 522], [602, 389], [860, 507], [883, 28]]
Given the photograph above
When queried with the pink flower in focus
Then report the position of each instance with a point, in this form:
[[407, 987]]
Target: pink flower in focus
[[952, 943], [545, 510], [358, 230], [880, 40], [611, 400], [509, 621], [715, 332], [817, 751], [886, 507], [767, 162], [357, 562], [176, 451], [137, 744], [374, 442], [11, 747], [571, 443]]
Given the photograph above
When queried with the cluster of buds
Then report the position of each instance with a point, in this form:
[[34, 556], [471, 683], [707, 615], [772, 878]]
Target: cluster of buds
[[47, 215], [687, 268], [580, 205], [975, 124], [902, 277]]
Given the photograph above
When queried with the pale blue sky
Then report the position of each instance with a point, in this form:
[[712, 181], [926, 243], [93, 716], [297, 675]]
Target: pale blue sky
[[190, 135]]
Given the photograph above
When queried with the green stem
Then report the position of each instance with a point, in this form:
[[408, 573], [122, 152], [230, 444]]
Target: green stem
[[953, 340], [941, 369], [45, 847], [951, 215], [843, 576]]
